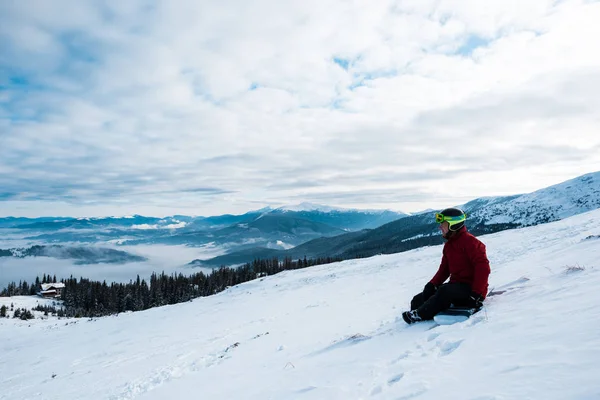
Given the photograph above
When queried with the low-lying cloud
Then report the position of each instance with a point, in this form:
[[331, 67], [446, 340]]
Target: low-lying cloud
[[168, 259]]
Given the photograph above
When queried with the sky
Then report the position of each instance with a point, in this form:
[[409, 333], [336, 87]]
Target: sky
[[211, 107]]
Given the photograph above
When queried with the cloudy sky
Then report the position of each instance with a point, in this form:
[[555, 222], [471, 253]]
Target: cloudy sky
[[207, 107]]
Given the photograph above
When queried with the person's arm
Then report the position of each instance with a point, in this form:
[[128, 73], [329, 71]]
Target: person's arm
[[443, 272], [481, 268]]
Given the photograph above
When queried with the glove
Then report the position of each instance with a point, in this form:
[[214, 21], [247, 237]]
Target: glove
[[476, 300], [429, 290]]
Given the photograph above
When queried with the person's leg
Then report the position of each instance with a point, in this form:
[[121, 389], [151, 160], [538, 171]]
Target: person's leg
[[443, 298], [419, 300]]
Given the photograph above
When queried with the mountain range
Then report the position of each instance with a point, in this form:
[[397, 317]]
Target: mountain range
[[262, 227], [485, 215], [305, 230], [279, 228]]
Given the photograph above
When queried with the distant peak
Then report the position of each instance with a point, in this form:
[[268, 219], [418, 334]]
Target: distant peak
[[307, 206], [263, 210]]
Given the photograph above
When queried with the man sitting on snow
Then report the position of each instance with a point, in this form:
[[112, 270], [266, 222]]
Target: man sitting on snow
[[464, 260]]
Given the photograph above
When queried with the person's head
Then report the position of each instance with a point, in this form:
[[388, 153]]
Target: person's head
[[450, 220]]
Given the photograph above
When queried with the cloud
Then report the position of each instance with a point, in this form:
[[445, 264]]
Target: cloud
[[167, 259], [206, 108]]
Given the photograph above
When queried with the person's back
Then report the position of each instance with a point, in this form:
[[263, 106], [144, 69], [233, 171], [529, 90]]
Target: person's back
[[467, 262]]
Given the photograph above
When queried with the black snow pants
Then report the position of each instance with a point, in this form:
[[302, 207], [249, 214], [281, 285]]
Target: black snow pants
[[447, 294]]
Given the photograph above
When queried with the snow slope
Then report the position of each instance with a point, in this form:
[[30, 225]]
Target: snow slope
[[332, 332], [555, 202]]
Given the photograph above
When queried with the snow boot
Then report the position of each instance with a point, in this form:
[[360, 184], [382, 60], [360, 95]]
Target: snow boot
[[411, 317]]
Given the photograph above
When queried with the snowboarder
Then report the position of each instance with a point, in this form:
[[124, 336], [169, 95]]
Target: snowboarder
[[464, 260]]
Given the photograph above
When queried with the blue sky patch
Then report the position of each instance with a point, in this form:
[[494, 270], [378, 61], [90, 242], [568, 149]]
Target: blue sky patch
[[473, 42], [337, 104], [362, 79], [18, 81], [342, 62]]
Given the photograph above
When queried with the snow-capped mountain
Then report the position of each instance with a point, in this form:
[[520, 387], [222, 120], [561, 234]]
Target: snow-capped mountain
[[132, 221], [333, 332], [549, 204], [13, 222], [307, 206], [346, 219], [265, 227], [485, 215]]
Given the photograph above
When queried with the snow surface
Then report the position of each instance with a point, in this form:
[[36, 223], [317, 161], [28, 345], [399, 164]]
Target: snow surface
[[29, 302], [333, 332], [56, 285]]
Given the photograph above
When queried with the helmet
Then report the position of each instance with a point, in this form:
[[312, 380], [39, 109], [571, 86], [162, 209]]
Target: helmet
[[454, 216]]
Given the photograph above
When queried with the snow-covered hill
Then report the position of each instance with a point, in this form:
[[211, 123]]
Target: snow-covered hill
[[549, 204], [30, 303], [332, 332]]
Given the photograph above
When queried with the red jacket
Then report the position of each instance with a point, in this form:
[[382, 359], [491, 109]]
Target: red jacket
[[464, 260]]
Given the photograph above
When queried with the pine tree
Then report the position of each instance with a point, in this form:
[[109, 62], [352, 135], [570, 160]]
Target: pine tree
[[3, 311], [26, 314], [83, 297]]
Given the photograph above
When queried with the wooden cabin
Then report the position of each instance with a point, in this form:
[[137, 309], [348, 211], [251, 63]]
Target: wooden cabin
[[51, 290]]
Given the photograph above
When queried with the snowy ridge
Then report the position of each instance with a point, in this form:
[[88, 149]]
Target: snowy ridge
[[176, 225], [556, 202], [306, 206], [333, 332]]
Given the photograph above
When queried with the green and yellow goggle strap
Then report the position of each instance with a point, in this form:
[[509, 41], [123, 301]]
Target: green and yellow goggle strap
[[439, 218]]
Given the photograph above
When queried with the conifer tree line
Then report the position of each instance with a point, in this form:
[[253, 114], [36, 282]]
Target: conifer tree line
[[86, 298], [24, 289]]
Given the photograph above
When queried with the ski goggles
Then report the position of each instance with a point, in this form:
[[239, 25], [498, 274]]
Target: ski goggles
[[439, 218]]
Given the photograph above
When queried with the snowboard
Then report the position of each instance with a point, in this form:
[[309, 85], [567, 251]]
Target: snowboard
[[454, 314]]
